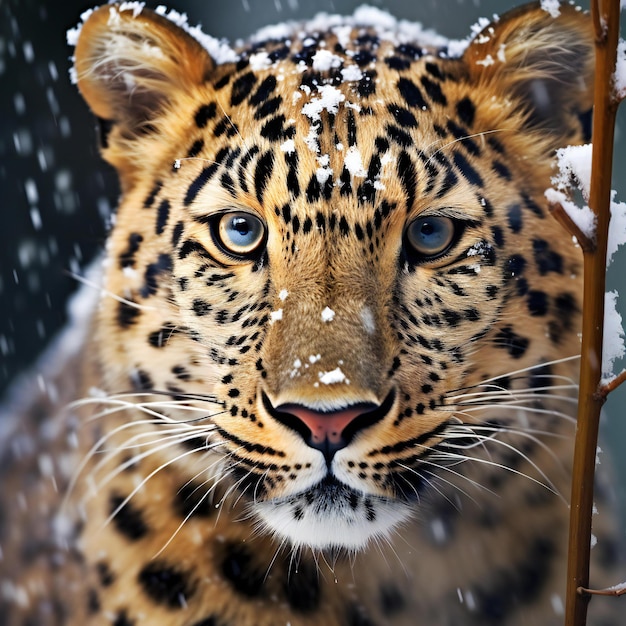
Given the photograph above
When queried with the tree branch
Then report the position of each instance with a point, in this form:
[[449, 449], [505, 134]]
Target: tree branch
[[562, 217], [606, 25], [612, 385], [619, 590]]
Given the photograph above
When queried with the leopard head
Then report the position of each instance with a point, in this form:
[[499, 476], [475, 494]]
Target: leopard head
[[337, 238]]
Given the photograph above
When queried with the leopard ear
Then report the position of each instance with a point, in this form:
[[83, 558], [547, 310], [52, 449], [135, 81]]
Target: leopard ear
[[544, 61], [132, 66]]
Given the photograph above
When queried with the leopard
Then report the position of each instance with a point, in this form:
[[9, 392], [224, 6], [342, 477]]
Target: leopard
[[325, 371]]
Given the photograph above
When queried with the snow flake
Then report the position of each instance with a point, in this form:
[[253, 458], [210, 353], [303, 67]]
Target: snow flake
[[276, 316], [354, 163], [260, 61], [288, 146], [551, 7], [351, 73], [333, 377], [283, 294], [487, 61], [328, 315], [329, 100], [324, 60]]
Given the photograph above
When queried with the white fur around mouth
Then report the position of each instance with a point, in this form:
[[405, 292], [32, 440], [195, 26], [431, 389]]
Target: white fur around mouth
[[331, 516]]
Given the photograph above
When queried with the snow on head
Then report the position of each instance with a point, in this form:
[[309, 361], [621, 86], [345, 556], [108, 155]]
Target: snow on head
[[329, 100], [551, 7], [333, 377]]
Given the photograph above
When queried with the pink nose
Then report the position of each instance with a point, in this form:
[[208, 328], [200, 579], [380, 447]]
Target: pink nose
[[325, 426]]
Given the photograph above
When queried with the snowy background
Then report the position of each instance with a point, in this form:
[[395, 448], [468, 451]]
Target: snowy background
[[56, 195]]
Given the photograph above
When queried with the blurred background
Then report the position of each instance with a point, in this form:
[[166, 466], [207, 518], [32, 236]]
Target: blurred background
[[57, 196]]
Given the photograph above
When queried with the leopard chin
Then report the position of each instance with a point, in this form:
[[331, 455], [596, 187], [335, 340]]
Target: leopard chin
[[331, 516]]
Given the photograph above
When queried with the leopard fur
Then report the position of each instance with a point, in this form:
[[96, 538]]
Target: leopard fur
[[331, 375]]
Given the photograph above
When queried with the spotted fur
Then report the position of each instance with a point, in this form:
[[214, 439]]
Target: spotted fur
[[345, 229]]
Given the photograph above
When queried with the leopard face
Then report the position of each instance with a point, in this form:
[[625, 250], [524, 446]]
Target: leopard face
[[333, 251]]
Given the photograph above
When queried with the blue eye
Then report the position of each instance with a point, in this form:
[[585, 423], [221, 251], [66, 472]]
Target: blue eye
[[240, 233], [430, 236]]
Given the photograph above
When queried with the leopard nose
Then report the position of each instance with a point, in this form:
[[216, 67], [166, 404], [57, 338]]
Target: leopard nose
[[330, 431]]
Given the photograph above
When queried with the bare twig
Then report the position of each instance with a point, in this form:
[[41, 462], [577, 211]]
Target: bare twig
[[606, 14], [612, 385], [561, 216], [610, 591]]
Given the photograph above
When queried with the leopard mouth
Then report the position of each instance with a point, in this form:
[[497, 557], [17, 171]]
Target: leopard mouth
[[331, 515]]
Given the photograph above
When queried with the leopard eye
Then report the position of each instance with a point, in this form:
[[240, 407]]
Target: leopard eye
[[239, 233], [431, 236]]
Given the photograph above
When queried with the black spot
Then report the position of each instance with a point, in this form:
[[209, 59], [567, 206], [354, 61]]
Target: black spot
[[466, 110], [141, 380], [391, 600], [190, 246], [93, 602], [313, 189], [205, 113], [274, 129], [127, 258], [177, 233], [403, 117], [181, 372], [449, 182], [470, 174], [162, 264], [268, 108], [515, 265], [515, 344], [129, 519], [567, 307], [537, 303], [166, 585], [122, 619], [105, 575], [127, 314], [163, 214], [514, 216], [344, 227], [262, 174], [264, 91], [399, 136], [199, 182], [502, 170], [498, 236], [201, 307], [193, 501], [195, 149], [363, 57], [464, 136], [433, 90], [547, 260], [411, 93], [242, 88], [239, 569], [302, 588], [351, 127], [397, 63], [367, 85], [207, 621], [149, 201]]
